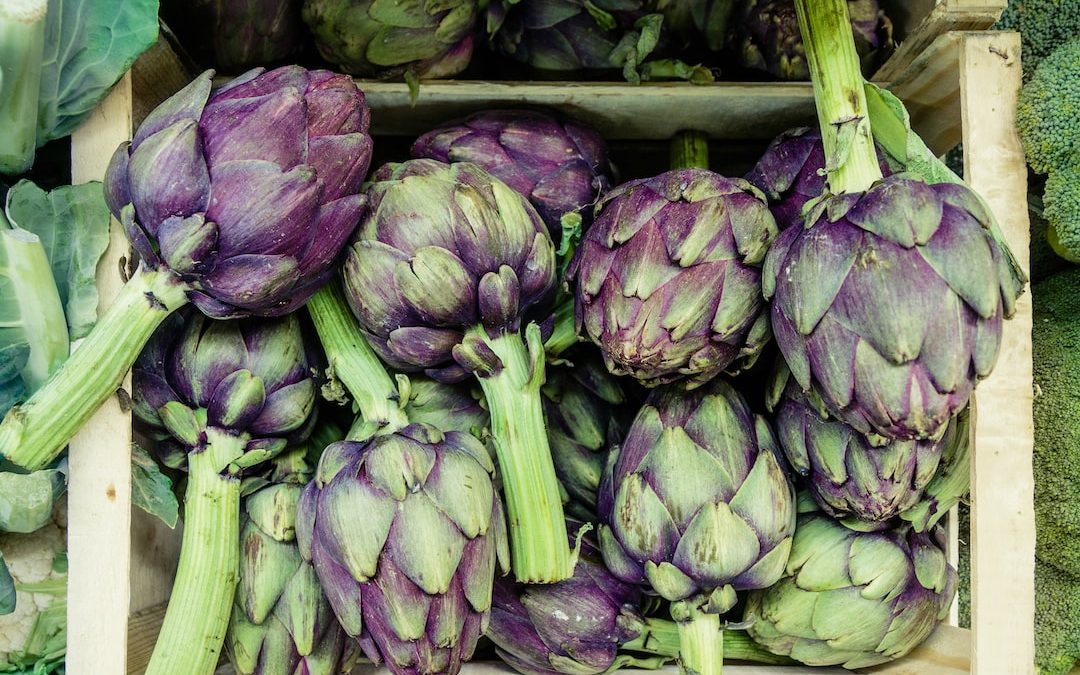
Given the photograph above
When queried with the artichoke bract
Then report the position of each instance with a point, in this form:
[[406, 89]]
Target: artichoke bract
[[848, 475], [585, 417], [234, 35], [387, 38], [855, 599], [239, 200], [405, 531], [791, 172], [449, 266], [870, 307], [695, 504], [281, 621], [227, 395], [561, 167], [447, 407], [668, 278], [765, 36]]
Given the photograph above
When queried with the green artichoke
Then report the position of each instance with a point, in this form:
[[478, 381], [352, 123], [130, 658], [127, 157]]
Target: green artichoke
[[388, 38], [855, 599], [697, 22]]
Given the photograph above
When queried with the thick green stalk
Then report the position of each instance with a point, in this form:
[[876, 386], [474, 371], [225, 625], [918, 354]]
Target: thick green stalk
[[850, 157], [661, 636], [198, 614], [563, 335], [538, 544], [34, 433], [22, 41], [701, 644], [690, 150], [31, 304], [353, 362]]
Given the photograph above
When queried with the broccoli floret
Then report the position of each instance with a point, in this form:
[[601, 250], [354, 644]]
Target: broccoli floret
[[1044, 26], [1057, 620], [1048, 114], [1056, 343], [1061, 208]]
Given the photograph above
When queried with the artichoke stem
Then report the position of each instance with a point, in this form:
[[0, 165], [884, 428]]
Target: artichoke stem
[[839, 93], [22, 41], [690, 150], [660, 636], [353, 361], [701, 644], [198, 614], [34, 433], [539, 549], [564, 334]]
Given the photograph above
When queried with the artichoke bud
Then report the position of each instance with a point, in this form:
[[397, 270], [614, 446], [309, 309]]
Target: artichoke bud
[[474, 355], [237, 401], [273, 510], [188, 245], [498, 297], [181, 421]]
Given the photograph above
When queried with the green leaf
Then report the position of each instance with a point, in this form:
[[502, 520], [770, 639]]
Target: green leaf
[[27, 499], [152, 490], [89, 45], [7, 589], [73, 224], [13, 359]]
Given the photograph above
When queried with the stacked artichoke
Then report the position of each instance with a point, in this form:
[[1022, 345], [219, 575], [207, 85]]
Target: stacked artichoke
[[697, 506]]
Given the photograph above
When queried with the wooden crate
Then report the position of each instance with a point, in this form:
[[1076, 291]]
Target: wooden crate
[[963, 85]]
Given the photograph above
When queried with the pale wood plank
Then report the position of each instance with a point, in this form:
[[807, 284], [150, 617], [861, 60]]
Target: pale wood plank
[[1002, 515], [99, 488], [142, 633], [946, 16], [930, 89]]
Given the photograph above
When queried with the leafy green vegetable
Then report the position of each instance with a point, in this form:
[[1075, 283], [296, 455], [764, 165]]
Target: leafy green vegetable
[[73, 224], [152, 490], [27, 499], [89, 45], [22, 39], [13, 358], [7, 589]]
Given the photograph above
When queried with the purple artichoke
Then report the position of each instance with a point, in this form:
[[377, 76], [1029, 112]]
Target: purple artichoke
[[449, 266], [262, 190], [560, 167], [855, 599], [792, 172], [872, 313], [415, 589], [848, 475], [377, 38], [765, 36], [240, 200], [234, 35], [668, 278], [223, 396]]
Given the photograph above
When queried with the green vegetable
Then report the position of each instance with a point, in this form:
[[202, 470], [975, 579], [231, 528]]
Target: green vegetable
[[1056, 342], [22, 39], [32, 639], [151, 490], [1044, 26], [1057, 620]]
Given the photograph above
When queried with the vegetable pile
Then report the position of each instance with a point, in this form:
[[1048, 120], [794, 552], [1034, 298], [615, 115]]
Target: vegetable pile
[[490, 391]]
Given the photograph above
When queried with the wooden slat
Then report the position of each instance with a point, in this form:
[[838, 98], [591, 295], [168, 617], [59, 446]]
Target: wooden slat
[[142, 632], [946, 16], [1002, 517], [930, 89], [99, 488]]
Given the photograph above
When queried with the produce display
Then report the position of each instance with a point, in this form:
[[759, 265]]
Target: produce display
[[482, 392]]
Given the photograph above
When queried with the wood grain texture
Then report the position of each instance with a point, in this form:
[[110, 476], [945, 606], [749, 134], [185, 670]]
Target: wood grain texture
[[1002, 515], [99, 487], [142, 633], [946, 16]]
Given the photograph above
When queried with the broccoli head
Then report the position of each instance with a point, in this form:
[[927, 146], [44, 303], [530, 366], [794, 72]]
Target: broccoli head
[[1044, 26], [1056, 343], [1057, 620], [1061, 208], [1048, 114]]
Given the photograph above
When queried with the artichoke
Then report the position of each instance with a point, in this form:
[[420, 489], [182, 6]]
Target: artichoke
[[415, 588], [791, 173], [447, 407], [561, 167], [668, 278], [855, 599], [697, 22], [585, 417], [695, 503], [281, 621], [239, 200], [448, 266], [234, 35], [222, 396], [765, 36], [389, 38], [847, 474], [574, 35], [872, 314]]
